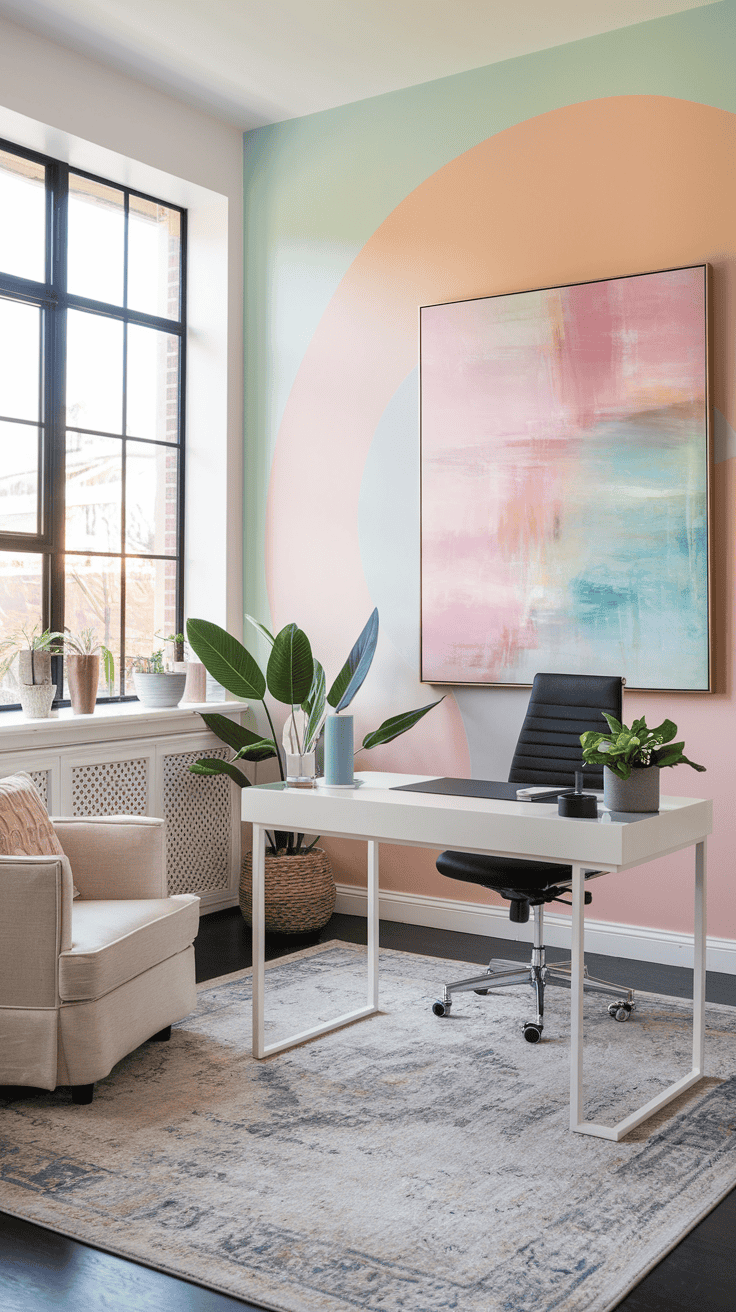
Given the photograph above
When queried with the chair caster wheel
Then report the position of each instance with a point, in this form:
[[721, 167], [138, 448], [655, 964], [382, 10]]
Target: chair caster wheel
[[441, 1008], [620, 1010], [532, 1032], [482, 993]]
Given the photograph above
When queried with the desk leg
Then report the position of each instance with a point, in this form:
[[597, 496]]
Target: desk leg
[[258, 914], [576, 997], [617, 1132], [699, 960], [260, 1047], [372, 998]]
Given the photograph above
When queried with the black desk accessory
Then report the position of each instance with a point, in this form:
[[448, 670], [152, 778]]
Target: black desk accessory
[[495, 790], [500, 792], [578, 805]]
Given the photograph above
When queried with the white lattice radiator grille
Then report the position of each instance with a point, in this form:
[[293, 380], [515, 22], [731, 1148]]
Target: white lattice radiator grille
[[198, 824], [41, 780], [110, 788]]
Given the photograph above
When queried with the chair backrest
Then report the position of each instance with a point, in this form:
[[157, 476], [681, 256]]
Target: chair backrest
[[561, 707]]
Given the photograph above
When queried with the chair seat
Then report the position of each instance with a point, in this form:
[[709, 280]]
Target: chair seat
[[502, 872], [114, 941]]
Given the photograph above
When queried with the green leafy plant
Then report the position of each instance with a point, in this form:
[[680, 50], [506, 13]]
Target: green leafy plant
[[155, 664], [624, 749], [33, 640], [86, 643], [294, 678]]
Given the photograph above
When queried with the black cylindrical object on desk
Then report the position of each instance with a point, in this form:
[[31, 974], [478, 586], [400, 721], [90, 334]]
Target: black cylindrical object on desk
[[578, 805]]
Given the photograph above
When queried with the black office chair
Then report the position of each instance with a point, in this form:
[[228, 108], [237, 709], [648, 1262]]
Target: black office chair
[[561, 707]]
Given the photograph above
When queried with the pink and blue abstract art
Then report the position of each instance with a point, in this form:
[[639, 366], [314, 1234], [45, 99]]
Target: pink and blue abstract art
[[565, 484]]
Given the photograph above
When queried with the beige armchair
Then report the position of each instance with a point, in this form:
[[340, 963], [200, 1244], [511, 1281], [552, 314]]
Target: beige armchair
[[85, 981]]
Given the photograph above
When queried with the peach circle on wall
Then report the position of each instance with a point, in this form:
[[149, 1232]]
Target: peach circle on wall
[[599, 189]]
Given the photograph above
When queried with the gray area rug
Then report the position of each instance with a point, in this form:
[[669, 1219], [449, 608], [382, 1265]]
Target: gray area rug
[[405, 1163]]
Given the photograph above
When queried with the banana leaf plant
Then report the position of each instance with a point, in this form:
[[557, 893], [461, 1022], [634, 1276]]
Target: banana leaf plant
[[294, 678]]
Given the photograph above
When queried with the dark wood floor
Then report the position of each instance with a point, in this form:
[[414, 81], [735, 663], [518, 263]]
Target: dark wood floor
[[41, 1270]]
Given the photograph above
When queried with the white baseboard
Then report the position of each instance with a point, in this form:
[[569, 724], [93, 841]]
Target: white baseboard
[[664, 946]]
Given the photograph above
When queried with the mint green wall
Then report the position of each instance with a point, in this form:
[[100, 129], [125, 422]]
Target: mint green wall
[[317, 187]]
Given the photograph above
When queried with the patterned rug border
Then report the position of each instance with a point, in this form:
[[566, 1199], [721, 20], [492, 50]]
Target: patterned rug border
[[674, 1110]]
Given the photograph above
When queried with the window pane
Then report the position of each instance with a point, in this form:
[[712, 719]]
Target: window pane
[[22, 217], [18, 478], [150, 607], [153, 258], [96, 240], [94, 484], [150, 498], [153, 384], [94, 372], [20, 359], [93, 602], [21, 579]]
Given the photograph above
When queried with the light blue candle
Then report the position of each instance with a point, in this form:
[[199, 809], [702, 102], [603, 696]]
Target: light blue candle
[[339, 750]]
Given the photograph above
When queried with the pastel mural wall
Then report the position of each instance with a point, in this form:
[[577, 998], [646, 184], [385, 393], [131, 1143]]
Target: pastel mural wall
[[597, 160], [565, 483]]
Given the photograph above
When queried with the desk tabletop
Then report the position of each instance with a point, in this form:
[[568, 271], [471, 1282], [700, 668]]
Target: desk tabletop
[[475, 824]]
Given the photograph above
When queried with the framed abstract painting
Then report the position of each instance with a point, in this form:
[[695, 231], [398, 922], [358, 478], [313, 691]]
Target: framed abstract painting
[[565, 483]]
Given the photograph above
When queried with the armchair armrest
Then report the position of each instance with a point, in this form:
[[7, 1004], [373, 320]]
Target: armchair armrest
[[115, 856], [35, 925]]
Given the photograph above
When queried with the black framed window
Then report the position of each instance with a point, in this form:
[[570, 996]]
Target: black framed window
[[92, 371]]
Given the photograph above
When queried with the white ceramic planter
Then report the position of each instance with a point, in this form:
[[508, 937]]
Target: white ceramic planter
[[159, 689], [36, 699], [640, 792]]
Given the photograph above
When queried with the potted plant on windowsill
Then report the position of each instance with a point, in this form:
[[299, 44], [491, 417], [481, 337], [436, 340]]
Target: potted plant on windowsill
[[155, 683], [300, 890], [632, 759], [82, 653], [33, 649]]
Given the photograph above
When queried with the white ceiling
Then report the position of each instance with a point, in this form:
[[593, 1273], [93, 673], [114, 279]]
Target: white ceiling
[[261, 61]]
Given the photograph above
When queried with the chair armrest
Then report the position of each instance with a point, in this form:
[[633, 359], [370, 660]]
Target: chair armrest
[[115, 856], [35, 926]]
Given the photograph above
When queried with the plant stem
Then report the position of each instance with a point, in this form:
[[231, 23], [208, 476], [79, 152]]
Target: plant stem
[[273, 735], [296, 731]]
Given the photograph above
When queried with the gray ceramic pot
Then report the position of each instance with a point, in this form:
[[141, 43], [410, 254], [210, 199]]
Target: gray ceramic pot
[[159, 689], [640, 792], [36, 699], [34, 666]]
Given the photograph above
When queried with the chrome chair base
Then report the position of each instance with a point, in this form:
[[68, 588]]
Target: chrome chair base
[[504, 974]]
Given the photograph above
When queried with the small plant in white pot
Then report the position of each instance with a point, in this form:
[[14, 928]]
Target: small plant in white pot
[[33, 649], [82, 653], [632, 759], [155, 684]]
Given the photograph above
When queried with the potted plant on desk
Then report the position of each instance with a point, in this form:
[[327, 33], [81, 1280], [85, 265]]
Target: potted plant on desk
[[632, 759], [300, 890]]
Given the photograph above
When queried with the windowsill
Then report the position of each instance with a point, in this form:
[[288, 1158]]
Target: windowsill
[[111, 720]]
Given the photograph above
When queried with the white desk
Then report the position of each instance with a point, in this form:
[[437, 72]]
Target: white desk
[[375, 814]]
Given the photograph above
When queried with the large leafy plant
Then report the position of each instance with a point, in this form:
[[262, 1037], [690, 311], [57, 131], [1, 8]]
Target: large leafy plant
[[624, 749], [294, 678]]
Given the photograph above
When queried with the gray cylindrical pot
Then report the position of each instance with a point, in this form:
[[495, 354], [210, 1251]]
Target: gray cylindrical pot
[[34, 666], [640, 792]]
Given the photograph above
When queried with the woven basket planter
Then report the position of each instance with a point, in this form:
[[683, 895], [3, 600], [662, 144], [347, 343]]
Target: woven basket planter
[[300, 892]]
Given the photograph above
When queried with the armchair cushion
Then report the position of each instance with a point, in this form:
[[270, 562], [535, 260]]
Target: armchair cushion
[[25, 828], [115, 856], [115, 941]]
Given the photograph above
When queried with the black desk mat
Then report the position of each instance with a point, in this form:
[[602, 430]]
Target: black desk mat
[[502, 792]]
